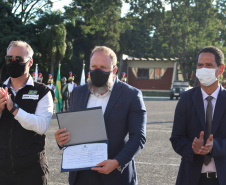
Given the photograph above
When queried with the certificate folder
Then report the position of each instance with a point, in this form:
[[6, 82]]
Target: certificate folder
[[85, 126], [87, 132]]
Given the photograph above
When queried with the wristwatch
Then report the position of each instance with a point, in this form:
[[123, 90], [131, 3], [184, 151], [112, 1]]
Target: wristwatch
[[15, 106], [119, 168]]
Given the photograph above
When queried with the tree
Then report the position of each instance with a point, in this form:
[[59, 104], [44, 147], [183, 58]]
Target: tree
[[96, 22], [182, 31], [135, 38], [52, 37], [221, 7], [11, 29], [28, 10]]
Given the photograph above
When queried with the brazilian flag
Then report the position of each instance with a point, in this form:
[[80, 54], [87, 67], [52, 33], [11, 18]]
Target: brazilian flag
[[59, 104]]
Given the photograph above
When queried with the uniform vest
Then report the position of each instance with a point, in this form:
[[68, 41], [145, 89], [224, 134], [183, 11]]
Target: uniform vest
[[20, 148], [64, 91]]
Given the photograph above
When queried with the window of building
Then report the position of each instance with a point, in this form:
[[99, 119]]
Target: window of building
[[142, 73], [145, 73]]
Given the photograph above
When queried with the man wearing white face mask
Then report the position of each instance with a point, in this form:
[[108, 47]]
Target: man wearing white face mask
[[199, 130]]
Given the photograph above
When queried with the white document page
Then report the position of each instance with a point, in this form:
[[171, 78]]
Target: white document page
[[84, 155]]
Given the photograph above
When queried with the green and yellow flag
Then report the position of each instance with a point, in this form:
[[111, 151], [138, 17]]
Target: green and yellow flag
[[59, 104]]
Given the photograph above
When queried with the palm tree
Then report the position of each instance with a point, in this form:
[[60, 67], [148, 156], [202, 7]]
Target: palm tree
[[52, 39]]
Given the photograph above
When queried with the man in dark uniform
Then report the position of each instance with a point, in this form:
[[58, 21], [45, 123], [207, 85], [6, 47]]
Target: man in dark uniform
[[26, 109], [88, 75], [40, 78], [50, 82], [33, 76], [124, 79], [64, 93], [71, 85]]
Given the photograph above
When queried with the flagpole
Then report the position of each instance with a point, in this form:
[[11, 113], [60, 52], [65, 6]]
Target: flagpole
[[83, 80], [36, 72]]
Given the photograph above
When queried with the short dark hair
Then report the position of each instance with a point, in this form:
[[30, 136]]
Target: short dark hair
[[219, 55]]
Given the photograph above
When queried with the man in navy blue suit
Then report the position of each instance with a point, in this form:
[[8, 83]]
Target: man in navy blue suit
[[199, 130], [125, 119]]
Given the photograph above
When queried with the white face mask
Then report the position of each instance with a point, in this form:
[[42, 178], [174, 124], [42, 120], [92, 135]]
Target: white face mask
[[206, 76]]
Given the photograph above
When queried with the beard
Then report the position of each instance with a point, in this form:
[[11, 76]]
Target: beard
[[103, 89]]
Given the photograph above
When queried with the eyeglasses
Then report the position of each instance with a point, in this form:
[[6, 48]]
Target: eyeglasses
[[20, 59]]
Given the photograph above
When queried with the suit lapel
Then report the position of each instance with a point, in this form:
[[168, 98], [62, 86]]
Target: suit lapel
[[219, 110], [116, 92], [85, 96], [199, 106]]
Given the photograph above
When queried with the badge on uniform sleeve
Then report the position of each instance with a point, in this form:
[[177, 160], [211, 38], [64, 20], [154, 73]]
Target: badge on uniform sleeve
[[32, 94]]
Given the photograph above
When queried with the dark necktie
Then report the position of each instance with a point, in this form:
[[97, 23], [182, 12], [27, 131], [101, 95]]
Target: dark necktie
[[209, 111]]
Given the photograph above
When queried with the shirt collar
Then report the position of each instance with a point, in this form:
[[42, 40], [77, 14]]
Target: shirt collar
[[112, 85], [214, 94], [29, 82]]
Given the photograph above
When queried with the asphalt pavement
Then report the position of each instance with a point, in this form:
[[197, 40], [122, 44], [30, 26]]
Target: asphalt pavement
[[157, 163]]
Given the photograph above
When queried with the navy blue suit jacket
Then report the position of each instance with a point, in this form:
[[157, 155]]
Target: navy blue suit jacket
[[189, 121], [125, 121]]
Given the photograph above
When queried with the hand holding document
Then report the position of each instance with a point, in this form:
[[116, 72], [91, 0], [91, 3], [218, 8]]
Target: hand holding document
[[88, 139], [84, 155]]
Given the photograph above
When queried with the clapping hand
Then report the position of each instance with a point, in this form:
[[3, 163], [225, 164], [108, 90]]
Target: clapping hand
[[199, 147], [3, 98]]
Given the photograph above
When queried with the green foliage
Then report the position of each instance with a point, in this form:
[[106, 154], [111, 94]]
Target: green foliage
[[102, 21], [135, 40], [29, 10], [183, 30], [52, 39], [11, 29], [148, 30], [93, 22]]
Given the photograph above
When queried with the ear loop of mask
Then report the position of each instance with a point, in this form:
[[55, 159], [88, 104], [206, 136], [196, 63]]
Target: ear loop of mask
[[113, 68], [28, 61]]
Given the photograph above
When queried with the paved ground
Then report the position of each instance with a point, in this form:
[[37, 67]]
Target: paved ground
[[157, 163]]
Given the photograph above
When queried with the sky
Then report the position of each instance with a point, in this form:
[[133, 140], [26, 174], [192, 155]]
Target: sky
[[59, 4]]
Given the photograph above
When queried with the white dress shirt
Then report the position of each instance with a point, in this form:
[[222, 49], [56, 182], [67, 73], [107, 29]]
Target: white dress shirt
[[51, 87], [38, 122], [71, 86], [96, 100], [211, 167]]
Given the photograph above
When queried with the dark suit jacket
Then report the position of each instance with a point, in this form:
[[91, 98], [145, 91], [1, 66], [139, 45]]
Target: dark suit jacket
[[125, 120], [189, 121]]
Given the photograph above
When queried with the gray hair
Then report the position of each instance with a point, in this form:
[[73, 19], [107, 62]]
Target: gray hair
[[20, 43], [107, 51]]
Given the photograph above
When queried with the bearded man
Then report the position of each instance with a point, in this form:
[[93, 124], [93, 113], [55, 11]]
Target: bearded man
[[125, 121]]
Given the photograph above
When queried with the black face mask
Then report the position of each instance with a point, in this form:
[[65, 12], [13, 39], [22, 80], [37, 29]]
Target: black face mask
[[99, 77], [16, 69]]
